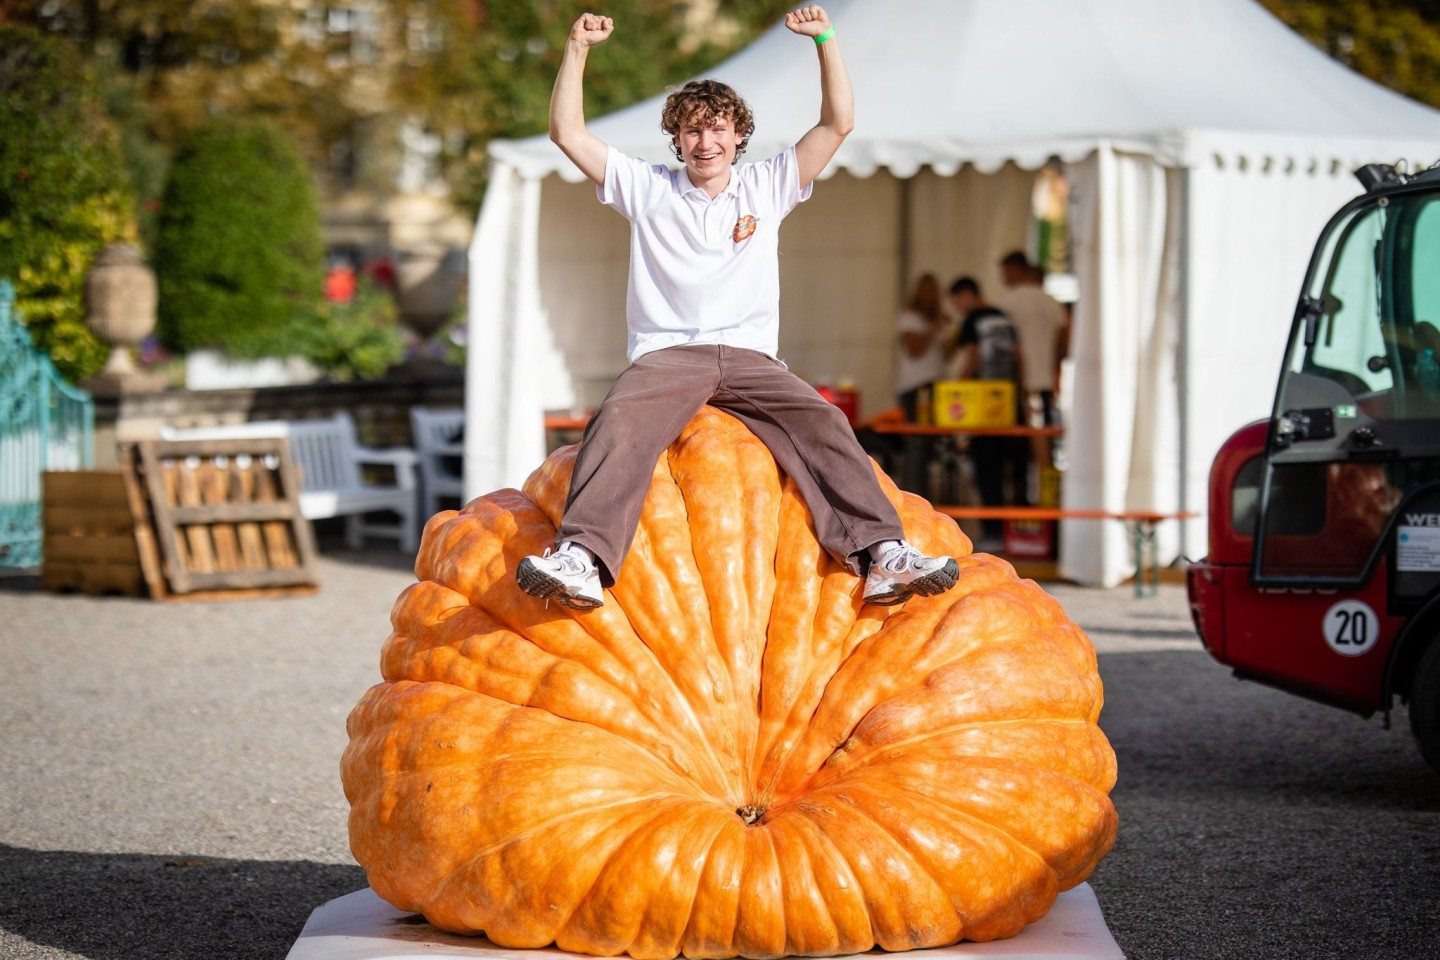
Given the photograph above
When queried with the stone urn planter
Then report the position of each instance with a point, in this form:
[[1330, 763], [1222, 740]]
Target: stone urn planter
[[427, 283], [120, 299]]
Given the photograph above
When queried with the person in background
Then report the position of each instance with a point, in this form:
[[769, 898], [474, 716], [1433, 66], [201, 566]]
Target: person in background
[[703, 313], [1044, 328], [988, 348], [924, 331], [1040, 320]]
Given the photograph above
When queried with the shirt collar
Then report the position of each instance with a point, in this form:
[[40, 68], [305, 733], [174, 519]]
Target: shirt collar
[[683, 186]]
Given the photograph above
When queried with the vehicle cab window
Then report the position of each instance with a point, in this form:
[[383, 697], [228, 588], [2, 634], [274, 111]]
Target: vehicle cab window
[[1356, 426], [1348, 331]]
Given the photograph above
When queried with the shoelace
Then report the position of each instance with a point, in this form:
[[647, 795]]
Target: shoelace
[[901, 558]]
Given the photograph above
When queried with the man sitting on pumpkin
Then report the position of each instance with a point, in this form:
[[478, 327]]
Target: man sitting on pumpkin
[[703, 317]]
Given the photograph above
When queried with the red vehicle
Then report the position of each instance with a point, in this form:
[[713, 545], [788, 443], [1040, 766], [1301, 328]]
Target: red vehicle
[[1323, 577]]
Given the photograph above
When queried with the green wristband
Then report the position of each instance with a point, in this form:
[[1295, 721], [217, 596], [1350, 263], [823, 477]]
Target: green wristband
[[825, 36]]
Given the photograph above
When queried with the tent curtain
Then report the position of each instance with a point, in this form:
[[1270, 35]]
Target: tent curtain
[[502, 443], [490, 304], [1123, 448]]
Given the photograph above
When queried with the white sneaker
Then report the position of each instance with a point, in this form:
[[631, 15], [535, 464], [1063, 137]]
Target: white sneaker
[[903, 571], [566, 576]]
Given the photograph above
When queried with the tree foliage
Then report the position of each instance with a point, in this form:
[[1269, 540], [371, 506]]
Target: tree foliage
[[239, 255], [173, 64], [63, 192], [1394, 43], [359, 340]]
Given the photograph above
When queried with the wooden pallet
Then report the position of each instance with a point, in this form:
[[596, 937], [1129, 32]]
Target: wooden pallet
[[224, 517], [89, 541]]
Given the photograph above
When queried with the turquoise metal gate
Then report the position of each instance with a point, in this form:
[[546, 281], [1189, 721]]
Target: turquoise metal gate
[[45, 424]]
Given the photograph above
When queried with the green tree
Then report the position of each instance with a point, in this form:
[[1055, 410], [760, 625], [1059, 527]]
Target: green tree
[[1394, 43], [63, 192], [240, 256]]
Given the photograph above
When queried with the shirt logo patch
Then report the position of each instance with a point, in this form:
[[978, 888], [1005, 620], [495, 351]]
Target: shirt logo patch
[[744, 228]]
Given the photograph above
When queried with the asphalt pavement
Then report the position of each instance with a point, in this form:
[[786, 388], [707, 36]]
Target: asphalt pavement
[[169, 782]]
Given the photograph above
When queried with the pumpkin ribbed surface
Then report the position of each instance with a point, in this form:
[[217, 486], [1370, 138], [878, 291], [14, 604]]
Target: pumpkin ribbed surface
[[734, 755]]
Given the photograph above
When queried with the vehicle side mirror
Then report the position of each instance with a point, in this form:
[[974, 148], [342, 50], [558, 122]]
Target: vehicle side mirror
[[1309, 310]]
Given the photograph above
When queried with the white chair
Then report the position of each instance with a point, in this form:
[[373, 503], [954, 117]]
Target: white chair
[[332, 482], [437, 436]]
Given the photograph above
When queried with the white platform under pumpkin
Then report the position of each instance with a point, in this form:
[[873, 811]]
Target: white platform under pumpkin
[[361, 926]]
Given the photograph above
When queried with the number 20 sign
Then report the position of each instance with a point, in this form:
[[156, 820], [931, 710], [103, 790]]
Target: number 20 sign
[[1351, 628]]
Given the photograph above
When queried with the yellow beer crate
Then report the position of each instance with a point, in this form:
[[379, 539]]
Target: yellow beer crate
[[974, 403]]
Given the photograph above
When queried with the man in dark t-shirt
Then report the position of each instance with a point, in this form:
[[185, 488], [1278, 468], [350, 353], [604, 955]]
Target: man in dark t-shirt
[[989, 349]]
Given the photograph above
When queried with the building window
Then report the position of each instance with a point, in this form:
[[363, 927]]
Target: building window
[[419, 160], [348, 34]]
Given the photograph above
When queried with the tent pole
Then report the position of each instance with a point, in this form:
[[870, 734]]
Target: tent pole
[[903, 292], [1183, 361]]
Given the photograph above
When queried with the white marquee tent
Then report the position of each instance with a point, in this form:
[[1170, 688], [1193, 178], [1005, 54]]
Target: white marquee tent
[[1204, 143]]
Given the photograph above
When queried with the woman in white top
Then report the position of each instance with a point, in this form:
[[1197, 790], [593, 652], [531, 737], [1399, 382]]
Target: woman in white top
[[924, 343]]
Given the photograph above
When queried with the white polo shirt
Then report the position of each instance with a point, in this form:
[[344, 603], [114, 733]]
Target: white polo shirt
[[703, 270], [1039, 318]]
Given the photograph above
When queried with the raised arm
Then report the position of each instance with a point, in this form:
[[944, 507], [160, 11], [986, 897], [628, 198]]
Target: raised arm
[[837, 101], [567, 99]]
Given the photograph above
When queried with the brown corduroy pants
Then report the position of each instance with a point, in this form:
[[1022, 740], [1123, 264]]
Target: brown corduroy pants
[[657, 395]]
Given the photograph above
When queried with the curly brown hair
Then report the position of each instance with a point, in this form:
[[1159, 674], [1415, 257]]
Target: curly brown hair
[[703, 102]]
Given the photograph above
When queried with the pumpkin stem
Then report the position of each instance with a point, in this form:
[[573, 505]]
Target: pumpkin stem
[[750, 813]]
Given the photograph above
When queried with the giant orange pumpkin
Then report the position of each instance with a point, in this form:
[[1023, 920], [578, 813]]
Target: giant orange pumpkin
[[734, 755]]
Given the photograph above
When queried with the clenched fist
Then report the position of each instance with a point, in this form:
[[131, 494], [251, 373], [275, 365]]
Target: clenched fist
[[808, 21], [591, 29]]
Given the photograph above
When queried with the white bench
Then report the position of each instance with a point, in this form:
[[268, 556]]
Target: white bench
[[437, 438], [332, 483]]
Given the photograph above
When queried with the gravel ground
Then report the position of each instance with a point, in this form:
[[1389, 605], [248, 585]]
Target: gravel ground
[[169, 782]]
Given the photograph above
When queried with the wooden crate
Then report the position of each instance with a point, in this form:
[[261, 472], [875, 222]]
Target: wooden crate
[[224, 517], [89, 541]]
